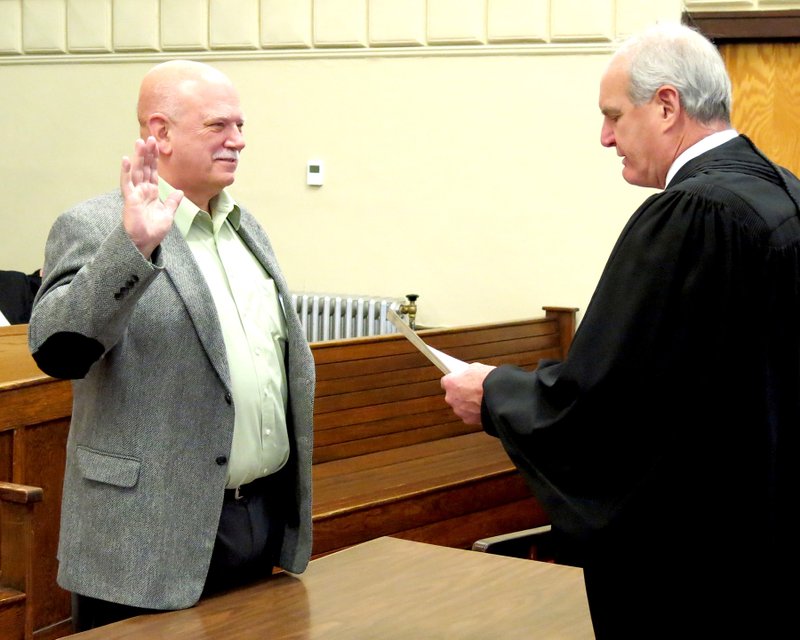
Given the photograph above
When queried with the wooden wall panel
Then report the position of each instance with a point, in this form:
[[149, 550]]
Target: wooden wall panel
[[766, 96]]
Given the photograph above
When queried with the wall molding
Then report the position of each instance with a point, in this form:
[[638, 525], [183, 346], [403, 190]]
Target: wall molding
[[560, 49], [746, 26], [74, 31]]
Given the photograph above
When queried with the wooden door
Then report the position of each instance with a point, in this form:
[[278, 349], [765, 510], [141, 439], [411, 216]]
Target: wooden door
[[766, 97]]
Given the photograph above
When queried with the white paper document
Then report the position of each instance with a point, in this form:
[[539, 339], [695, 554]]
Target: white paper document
[[444, 362]]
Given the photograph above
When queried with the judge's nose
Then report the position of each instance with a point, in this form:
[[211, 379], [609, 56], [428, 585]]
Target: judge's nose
[[607, 138]]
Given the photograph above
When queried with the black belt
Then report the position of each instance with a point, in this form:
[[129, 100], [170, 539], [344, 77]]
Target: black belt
[[259, 486]]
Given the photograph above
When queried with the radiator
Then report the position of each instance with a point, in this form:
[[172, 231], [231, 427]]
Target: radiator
[[333, 317]]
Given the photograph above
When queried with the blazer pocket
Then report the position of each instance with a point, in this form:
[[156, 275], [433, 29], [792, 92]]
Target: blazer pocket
[[110, 468]]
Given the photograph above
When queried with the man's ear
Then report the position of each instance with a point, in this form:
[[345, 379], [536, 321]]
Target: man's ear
[[159, 126], [669, 103]]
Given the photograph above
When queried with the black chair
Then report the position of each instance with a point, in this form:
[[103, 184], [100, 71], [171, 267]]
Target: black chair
[[533, 544], [17, 291]]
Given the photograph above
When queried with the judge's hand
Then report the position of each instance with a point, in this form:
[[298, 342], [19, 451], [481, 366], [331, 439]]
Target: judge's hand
[[464, 391], [146, 219]]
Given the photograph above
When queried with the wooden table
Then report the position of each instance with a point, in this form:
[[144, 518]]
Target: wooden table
[[386, 589]]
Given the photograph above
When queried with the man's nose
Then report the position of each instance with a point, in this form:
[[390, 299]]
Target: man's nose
[[607, 136], [236, 140]]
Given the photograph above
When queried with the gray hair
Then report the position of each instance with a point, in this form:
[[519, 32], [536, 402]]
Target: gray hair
[[677, 55]]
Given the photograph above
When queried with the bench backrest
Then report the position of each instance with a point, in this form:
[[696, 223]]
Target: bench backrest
[[380, 393]]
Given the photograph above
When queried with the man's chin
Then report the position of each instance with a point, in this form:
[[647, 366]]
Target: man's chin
[[631, 177], [225, 179]]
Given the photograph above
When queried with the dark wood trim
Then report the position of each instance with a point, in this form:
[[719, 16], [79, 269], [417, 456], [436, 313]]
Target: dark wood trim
[[724, 27]]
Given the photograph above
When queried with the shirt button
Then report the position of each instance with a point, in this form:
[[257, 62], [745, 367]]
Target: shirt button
[[222, 460], [268, 431]]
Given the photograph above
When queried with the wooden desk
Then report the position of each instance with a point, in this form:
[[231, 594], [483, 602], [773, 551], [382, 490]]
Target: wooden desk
[[389, 589]]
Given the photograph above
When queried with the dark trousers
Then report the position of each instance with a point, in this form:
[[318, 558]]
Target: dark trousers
[[248, 541]]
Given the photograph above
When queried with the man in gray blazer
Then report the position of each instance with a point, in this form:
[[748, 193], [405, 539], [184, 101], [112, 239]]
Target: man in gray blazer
[[189, 453]]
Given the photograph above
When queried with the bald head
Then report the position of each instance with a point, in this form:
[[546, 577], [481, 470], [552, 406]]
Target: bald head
[[166, 86], [192, 110]]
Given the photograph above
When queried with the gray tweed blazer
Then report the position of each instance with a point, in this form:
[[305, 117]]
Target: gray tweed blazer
[[152, 418]]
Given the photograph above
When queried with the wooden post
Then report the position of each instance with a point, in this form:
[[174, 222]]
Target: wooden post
[[565, 316], [17, 546]]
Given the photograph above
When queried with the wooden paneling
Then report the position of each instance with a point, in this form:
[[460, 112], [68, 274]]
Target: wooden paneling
[[18, 546], [761, 50], [380, 393], [746, 26], [12, 614], [34, 421], [766, 96], [391, 458]]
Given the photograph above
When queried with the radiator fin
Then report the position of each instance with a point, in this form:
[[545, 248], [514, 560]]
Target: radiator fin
[[335, 317]]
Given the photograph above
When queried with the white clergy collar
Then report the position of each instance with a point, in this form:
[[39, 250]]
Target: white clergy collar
[[699, 148]]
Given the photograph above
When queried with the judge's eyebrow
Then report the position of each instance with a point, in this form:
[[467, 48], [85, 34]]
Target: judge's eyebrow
[[611, 112]]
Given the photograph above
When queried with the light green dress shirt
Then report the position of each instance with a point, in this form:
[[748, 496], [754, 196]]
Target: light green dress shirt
[[254, 329]]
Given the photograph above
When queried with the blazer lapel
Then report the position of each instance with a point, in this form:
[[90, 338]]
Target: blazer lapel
[[182, 269]]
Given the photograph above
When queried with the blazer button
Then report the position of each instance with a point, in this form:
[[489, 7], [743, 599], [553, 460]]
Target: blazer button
[[228, 398], [222, 460]]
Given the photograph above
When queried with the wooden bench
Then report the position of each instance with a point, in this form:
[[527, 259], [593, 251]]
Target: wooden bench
[[34, 422], [17, 559], [390, 458]]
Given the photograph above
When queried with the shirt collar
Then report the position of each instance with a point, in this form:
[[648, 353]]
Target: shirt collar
[[223, 207], [699, 148]]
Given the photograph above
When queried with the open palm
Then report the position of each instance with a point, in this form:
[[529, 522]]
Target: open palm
[[146, 219]]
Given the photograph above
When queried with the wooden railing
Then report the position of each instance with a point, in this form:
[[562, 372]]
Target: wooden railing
[[390, 458]]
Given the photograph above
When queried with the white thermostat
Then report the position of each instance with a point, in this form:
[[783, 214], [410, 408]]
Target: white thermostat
[[315, 173]]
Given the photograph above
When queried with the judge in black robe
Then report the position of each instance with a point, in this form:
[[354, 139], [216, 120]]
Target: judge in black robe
[[664, 446]]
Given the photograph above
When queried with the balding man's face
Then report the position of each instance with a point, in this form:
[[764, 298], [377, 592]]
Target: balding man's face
[[204, 141]]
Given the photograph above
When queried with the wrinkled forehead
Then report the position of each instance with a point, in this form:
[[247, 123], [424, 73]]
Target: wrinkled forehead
[[209, 98]]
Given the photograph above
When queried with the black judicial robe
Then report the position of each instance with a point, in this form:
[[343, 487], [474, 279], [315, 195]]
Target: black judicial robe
[[664, 446]]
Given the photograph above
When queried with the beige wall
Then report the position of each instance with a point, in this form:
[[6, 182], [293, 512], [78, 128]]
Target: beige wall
[[460, 137]]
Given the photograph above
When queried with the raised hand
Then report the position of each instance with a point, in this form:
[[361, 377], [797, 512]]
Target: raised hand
[[146, 219]]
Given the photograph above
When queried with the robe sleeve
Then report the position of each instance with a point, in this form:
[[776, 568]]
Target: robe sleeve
[[597, 431]]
